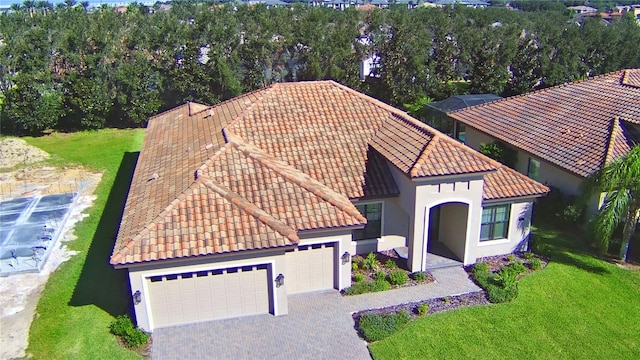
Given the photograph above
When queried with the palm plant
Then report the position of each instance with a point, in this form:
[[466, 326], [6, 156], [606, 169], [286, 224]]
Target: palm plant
[[620, 181]]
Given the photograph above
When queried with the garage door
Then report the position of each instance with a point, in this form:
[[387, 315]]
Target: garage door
[[208, 295], [310, 268]]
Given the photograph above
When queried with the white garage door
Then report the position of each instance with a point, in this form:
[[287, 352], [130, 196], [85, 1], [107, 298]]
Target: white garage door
[[310, 268], [208, 295]]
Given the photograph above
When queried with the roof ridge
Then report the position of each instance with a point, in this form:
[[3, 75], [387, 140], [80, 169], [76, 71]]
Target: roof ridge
[[544, 90], [300, 178], [132, 241], [235, 98], [169, 110], [608, 154], [251, 209], [423, 154]]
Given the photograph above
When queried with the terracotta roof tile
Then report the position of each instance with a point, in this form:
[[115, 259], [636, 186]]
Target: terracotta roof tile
[[568, 125], [508, 183], [251, 172]]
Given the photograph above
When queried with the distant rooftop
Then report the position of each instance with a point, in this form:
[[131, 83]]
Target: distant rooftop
[[458, 102]]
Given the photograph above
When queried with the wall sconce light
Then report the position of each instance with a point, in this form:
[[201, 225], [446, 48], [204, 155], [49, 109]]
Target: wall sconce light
[[346, 257], [521, 219], [279, 280], [137, 297]]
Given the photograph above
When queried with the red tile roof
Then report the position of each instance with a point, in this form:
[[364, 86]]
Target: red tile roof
[[508, 183], [578, 126], [251, 172]]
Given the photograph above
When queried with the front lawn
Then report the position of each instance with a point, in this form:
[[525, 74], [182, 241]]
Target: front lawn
[[85, 294], [579, 307]]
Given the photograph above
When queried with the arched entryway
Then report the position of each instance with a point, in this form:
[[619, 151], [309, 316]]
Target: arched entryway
[[447, 234]]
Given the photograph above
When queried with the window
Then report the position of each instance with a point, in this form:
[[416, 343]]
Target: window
[[495, 222], [460, 132], [373, 230], [533, 171]]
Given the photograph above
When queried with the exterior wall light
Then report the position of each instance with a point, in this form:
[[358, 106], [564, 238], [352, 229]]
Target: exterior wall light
[[279, 280], [346, 257], [137, 297]]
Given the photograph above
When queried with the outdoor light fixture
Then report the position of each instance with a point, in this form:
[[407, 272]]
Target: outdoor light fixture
[[346, 257], [137, 297], [279, 280]]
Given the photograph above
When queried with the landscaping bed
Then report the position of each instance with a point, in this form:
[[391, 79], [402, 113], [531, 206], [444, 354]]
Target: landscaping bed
[[382, 271], [377, 324]]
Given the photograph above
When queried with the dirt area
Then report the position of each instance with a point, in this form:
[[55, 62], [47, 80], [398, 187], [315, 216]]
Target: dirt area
[[16, 151], [20, 292]]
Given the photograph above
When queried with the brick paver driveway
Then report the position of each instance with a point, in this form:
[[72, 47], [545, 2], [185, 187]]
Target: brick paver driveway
[[318, 326]]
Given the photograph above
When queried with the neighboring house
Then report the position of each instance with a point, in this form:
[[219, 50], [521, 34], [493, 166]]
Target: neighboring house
[[436, 112], [467, 3], [583, 10], [236, 206], [564, 133]]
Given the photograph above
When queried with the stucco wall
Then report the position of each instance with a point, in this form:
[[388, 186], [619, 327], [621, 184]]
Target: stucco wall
[[274, 258], [395, 228], [517, 235]]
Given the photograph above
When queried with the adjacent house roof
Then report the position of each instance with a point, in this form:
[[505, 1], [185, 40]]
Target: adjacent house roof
[[579, 126], [252, 172], [458, 102]]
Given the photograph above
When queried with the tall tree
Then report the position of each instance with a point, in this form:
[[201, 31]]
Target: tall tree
[[620, 181]]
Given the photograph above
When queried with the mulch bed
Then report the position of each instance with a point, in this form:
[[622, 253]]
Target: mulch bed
[[497, 262], [435, 305], [383, 257]]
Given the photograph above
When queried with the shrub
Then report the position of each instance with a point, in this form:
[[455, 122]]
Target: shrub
[[419, 276], [358, 277], [535, 264], [528, 255], [380, 275], [446, 299], [511, 257], [398, 277], [506, 277], [480, 267], [381, 285], [498, 294], [423, 309], [374, 327], [518, 267], [390, 264], [354, 266], [132, 336], [370, 262]]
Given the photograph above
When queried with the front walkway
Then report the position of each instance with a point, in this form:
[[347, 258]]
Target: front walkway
[[318, 326]]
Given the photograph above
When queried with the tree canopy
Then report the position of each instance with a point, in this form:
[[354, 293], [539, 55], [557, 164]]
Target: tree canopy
[[68, 68]]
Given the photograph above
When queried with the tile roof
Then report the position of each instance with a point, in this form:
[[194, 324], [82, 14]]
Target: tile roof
[[577, 126], [508, 183], [252, 172]]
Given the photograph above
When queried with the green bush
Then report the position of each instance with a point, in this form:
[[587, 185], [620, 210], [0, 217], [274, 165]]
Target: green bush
[[354, 266], [374, 327], [518, 267], [423, 309], [511, 257], [506, 277], [380, 275], [398, 277], [381, 285], [499, 294], [536, 264], [132, 336], [358, 277], [480, 267], [419, 276], [371, 262], [390, 264], [528, 255]]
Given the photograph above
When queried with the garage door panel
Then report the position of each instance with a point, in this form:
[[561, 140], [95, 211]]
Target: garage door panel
[[209, 295], [310, 268]]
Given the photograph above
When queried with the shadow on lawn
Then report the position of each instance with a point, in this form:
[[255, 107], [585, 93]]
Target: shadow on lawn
[[563, 246], [100, 284]]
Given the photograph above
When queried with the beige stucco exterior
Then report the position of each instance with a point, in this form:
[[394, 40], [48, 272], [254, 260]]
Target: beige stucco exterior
[[274, 259]]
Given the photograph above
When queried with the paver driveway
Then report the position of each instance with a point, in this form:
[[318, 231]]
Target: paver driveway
[[318, 326]]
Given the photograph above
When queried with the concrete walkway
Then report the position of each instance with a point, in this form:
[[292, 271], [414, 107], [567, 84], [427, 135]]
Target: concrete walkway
[[318, 326]]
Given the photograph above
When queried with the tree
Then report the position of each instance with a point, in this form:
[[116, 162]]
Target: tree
[[620, 181]]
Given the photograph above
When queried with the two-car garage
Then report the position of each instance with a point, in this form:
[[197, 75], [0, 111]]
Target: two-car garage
[[199, 294]]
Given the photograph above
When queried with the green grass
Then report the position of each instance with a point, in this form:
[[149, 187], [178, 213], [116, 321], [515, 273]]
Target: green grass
[[579, 307], [85, 294]]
